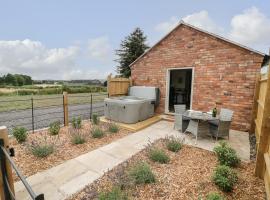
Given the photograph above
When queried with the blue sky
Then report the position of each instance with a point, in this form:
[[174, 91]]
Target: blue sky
[[76, 39]]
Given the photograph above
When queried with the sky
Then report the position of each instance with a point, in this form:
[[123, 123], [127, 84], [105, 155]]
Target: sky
[[67, 39]]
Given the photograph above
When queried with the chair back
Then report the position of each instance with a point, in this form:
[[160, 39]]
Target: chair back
[[226, 114], [179, 109]]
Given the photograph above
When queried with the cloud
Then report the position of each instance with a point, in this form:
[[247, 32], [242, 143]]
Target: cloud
[[32, 57], [167, 26], [100, 49], [86, 74], [203, 20], [250, 27]]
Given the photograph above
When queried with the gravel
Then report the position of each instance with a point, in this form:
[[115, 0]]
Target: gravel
[[186, 176]]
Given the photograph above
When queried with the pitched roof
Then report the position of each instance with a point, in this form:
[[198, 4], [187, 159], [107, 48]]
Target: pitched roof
[[201, 30]]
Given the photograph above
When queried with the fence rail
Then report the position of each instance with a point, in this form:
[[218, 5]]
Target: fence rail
[[261, 126], [7, 191], [35, 113]]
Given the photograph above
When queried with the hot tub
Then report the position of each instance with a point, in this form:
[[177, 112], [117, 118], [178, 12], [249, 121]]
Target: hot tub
[[138, 106]]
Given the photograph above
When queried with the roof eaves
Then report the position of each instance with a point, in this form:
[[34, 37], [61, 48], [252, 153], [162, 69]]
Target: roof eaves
[[201, 30]]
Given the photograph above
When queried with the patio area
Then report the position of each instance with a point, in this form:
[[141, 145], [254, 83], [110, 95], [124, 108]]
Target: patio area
[[73, 175]]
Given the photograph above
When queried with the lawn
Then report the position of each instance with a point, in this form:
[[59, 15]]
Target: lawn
[[8, 103], [187, 175]]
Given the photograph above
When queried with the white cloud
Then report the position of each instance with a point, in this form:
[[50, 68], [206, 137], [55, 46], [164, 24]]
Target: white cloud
[[250, 27], [33, 58], [167, 26], [86, 74], [100, 49], [203, 20]]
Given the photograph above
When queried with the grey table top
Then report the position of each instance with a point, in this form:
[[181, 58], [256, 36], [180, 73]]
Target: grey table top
[[199, 115]]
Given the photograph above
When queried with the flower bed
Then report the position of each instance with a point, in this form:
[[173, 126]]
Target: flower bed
[[65, 146], [187, 175]]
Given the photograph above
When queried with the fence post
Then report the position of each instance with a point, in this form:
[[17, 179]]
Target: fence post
[[255, 104], [33, 120], [4, 137], [65, 108], [91, 106]]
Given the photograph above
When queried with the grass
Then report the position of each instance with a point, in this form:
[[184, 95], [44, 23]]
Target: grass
[[24, 102], [158, 155], [114, 194], [97, 133], [141, 173]]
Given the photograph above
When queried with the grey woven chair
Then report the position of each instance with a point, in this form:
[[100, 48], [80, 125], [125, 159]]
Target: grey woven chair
[[198, 128], [221, 127], [180, 123]]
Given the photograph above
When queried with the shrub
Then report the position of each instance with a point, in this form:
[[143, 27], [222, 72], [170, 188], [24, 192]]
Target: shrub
[[42, 150], [20, 134], [225, 178], [54, 128], [174, 144], [141, 174], [115, 194], [158, 155], [97, 133], [77, 122], [113, 128], [214, 196], [95, 119], [226, 155], [77, 137]]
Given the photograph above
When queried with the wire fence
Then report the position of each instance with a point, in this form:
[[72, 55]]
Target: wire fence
[[36, 113]]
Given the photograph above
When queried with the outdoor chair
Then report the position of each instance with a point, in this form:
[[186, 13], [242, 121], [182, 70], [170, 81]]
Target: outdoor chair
[[197, 128], [180, 123], [221, 127]]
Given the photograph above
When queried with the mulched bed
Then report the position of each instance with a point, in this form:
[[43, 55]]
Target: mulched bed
[[252, 140], [64, 149], [187, 176]]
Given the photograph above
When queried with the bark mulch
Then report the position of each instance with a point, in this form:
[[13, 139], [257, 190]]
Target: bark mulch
[[187, 176], [64, 149]]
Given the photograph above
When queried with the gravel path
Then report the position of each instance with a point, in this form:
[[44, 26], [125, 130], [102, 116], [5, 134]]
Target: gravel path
[[44, 116]]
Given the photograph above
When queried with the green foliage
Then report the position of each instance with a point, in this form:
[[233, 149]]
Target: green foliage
[[20, 134], [214, 196], [141, 173], [130, 49], [115, 194], [95, 119], [77, 122], [42, 151], [16, 80], [226, 155], [77, 136], [158, 155], [113, 128], [173, 144], [225, 178], [54, 128], [97, 133]]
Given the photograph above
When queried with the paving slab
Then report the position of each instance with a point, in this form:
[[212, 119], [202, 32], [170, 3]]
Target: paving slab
[[98, 161]]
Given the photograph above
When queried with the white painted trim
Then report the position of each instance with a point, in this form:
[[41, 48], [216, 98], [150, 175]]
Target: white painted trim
[[168, 87]]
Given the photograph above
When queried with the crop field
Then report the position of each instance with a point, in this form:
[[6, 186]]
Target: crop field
[[11, 103]]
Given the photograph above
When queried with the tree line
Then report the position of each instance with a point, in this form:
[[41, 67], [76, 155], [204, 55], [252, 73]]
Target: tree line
[[16, 80]]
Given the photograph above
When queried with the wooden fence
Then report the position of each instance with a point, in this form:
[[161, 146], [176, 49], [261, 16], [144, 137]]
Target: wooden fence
[[261, 125], [118, 86]]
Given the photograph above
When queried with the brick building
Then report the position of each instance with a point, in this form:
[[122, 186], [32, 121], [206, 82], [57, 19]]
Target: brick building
[[200, 69]]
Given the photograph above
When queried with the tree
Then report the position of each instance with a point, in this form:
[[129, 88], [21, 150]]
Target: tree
[[130, 49]]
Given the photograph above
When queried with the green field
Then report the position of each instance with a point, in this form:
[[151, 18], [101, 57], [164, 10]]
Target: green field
[[8, 103]]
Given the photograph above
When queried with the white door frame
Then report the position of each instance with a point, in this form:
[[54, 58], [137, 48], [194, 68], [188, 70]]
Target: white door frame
[[168, 87]]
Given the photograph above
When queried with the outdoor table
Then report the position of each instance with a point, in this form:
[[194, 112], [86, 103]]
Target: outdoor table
[[199, 124]]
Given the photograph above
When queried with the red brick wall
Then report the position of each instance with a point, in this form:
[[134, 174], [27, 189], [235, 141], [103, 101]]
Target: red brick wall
[[223, 72]]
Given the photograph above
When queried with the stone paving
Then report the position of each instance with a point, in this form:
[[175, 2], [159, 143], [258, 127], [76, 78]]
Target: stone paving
[[63, 180]]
